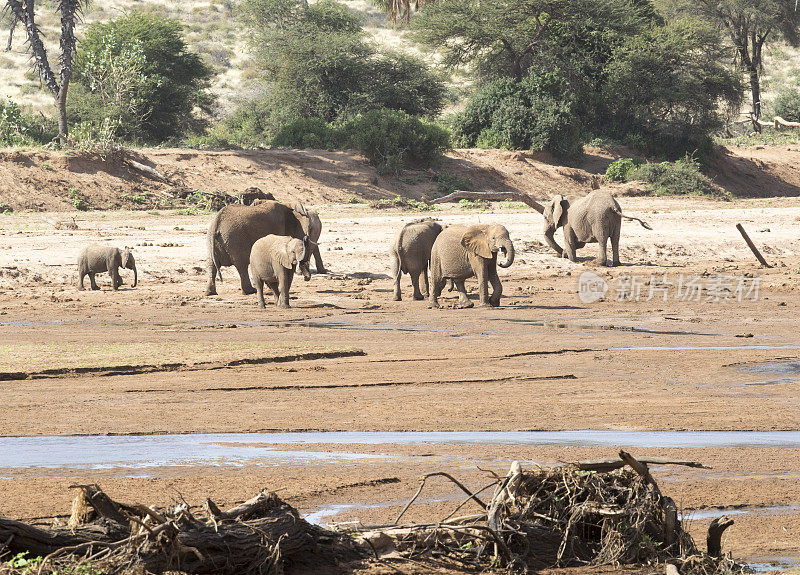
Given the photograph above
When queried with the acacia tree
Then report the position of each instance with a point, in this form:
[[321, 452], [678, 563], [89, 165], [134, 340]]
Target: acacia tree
[[750, 24], [23, 11]]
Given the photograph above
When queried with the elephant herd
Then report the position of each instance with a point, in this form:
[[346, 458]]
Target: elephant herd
[[267, 241]]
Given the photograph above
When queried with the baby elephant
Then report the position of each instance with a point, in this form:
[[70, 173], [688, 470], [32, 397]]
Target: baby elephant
[[272, 261], [461, 252], [95, 259], [411, 252]]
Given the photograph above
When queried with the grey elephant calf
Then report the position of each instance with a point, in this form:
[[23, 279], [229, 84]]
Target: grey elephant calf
[[96, 259], [595, 217], [461, 252], [411, 252], [272, 262]]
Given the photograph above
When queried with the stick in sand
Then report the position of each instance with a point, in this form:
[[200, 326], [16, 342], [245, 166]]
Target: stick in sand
[[752, 246]]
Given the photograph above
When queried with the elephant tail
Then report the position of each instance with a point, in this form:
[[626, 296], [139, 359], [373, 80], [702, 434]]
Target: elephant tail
[[645, 225]]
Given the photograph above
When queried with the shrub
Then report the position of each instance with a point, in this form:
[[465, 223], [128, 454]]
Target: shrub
[[682, 177], [618, 170], [308, 133], [787, 105], [447, 183], [137, 71], [391, 138], [18, 128], [533, 114]]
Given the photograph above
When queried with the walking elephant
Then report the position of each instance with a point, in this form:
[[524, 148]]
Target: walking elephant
[[235, 228], [411, 252], [595, 217], [461, 252], [272, 262], [314, 231], [96, 259]]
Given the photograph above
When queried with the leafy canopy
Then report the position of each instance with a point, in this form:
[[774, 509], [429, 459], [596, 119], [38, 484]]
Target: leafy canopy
[[138, 71], [320, 64]]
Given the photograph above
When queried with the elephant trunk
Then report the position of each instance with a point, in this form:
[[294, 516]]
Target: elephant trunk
[[548, 236], [135, 275], [305, 270], [508, 249]]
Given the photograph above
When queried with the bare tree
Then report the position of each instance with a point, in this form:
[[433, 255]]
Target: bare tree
[[23, 11]]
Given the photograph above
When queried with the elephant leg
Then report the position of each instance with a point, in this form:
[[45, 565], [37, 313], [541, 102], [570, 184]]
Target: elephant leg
[[274, 287], [497, 287], [398, 296], [415, 282], [480, 267], [318, 261], [247, 287], [260, 288], [602, 256], [92, 282], [615, 249], [463, 298], [436, 291], [80, 281], [211, 287], [426, 292], [284, 281], [451, 285]]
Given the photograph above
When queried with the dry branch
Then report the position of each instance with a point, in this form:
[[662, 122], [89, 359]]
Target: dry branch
[[752, 246], [490, 196], [714, 537], [147, 170], [612, 464]]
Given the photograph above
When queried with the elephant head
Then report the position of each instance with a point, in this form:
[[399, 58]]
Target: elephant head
[[309, 221], [487, 241], [555, 215], [129, 263], [296, 252]]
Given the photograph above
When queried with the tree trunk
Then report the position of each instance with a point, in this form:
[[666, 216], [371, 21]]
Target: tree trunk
[[61, 104]]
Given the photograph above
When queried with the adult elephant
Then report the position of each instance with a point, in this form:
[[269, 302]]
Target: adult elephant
[[594, 218], [461, 252], [235, 228]]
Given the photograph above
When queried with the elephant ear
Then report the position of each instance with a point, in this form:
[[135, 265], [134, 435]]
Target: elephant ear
[[302, 216], [477, 242], [558, 209], [285, 256]]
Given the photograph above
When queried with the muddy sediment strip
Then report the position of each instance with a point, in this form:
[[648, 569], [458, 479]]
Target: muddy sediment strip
[[101, 371]]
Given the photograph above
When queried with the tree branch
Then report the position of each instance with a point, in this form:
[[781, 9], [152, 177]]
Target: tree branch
[[25, 14]]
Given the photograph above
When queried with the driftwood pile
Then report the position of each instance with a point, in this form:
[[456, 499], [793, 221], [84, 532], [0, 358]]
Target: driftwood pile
[[264, 535], [606, 512]]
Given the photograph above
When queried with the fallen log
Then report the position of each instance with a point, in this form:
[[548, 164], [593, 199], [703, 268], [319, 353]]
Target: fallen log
[[490, 197], [605, 465], [147, 170]]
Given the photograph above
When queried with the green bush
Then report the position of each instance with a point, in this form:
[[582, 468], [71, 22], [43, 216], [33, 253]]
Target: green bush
[[533, 114], [137, 71], [618, 170], [308, 133], [390, 139], [18, 128], [787, 105], [319, 63], [447, 183], [683, 177]]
